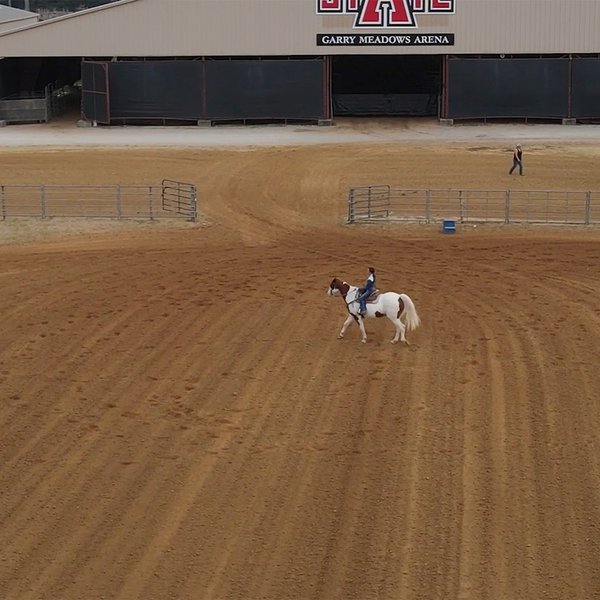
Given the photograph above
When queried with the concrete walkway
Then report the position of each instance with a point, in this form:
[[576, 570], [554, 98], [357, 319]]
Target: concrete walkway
[[344, 131]]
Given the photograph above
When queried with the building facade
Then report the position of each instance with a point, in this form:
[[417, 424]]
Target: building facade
[[211, 60]]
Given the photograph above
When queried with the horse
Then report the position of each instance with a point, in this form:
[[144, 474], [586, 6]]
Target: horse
[[388, 304]]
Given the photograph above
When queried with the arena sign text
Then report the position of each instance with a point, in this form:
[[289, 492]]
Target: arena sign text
[[408, 39]]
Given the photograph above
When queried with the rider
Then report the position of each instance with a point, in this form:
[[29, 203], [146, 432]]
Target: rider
[[365, 291]]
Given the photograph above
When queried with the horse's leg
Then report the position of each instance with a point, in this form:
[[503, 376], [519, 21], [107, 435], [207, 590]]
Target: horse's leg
[[345, 326], [361, 324], [400, 331]]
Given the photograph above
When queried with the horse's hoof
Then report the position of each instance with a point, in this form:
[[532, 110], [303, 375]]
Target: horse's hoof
[[394, 342], [340, 337], [364, 341]]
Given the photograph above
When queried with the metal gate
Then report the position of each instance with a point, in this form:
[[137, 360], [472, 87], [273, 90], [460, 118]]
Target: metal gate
[[95, 92], [180, 197], [367, 203]]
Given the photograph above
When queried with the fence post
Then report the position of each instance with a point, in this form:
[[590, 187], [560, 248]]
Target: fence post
[[461, 205], [507, 207], [119, 203], [3, 200], [150, 205], [43, 200], [351, 206], [194, 204], [389, 202], [588, 202], [427, 206], [369, 204], [48, 102]]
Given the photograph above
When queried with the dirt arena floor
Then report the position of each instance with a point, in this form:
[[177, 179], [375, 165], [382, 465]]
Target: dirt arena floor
[[179, 420]]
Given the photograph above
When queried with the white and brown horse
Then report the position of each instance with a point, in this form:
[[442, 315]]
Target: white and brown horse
[[389, 304]]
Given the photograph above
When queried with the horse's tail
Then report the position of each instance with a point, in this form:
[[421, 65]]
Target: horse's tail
[[412, 318]]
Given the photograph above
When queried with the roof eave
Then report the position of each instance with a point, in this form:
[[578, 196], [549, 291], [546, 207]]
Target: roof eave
[[74, 15]]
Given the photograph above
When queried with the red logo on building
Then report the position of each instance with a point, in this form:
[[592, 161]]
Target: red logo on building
[[385, 13]]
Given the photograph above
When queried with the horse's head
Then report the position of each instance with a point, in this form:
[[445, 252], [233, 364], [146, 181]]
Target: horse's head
[[337, 286]]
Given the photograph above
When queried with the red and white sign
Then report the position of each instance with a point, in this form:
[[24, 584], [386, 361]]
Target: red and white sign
[[385, 13]]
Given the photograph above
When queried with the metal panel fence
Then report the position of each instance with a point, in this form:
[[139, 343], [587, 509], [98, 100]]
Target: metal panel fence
[[35, 107], [179, 197], [100, 201], [383, 203]]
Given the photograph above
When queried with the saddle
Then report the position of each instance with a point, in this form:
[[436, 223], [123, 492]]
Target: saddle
[[373, 297]]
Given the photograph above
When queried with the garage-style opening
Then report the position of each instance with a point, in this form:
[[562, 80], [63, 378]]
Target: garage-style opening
[[379, 85], [39, 89]]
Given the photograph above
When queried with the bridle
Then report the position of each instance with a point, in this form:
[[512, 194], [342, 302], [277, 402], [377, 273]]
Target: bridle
[[344, 296]]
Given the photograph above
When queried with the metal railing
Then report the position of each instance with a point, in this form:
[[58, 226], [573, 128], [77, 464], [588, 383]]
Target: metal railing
[[369, 203], [93, 201], [384, 203], [179, 197]]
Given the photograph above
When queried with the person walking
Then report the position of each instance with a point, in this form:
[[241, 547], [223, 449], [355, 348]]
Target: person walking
[[517, 160]]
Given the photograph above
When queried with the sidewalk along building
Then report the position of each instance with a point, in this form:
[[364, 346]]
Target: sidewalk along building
[[157, 61]]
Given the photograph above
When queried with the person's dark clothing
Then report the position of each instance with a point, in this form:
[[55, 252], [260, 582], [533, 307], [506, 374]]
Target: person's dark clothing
[[517, 161]]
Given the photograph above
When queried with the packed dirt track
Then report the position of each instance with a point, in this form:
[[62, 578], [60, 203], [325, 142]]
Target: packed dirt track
[[179, 419]]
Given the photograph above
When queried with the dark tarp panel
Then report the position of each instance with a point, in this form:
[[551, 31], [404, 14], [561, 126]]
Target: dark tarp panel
[[94, 91], [265, 89], [6, 85], [156, 90], [386, 85], [419, 105], [511, 87], [586, 88]]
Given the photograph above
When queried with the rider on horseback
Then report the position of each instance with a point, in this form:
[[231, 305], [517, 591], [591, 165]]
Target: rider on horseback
[[365, 291]]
